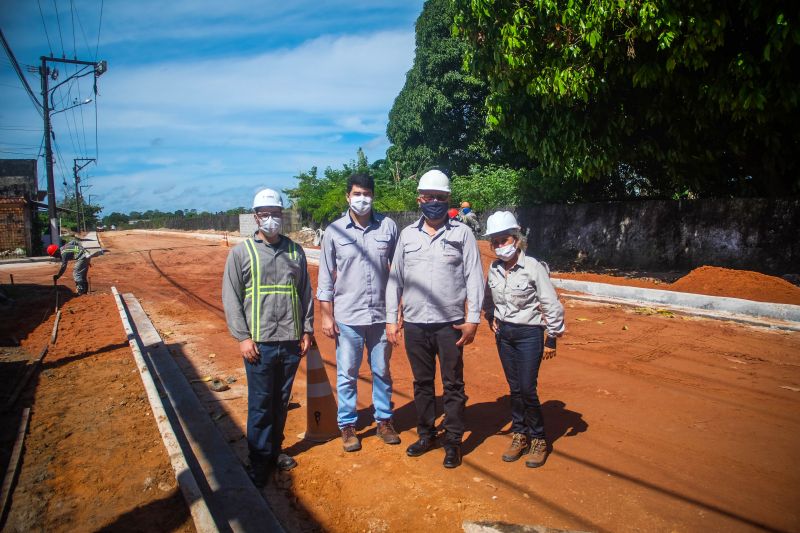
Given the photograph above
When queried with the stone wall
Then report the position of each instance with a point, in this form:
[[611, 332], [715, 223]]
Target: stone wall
[[744, 233]]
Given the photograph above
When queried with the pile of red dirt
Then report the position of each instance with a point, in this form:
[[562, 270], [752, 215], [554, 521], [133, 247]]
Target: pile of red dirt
[[745, 284]]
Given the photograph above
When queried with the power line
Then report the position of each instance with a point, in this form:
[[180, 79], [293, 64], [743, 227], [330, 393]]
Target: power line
[[74, 46], [60, 35], [20, 75], [99, 27], [50, 46]]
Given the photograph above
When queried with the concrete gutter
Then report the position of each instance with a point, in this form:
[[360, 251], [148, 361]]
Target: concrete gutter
[[201, 515], [788, 316], [233, 501]]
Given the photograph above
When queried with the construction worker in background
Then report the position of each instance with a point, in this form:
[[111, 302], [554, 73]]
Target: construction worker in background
[[435, 269], [520, 305], [73, 250], [354, 264], [469, 218], [269, 309]]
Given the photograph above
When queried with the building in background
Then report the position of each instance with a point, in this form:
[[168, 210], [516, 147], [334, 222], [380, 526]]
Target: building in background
[[20, 199]]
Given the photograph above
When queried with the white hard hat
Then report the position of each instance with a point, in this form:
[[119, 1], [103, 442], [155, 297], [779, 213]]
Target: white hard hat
[[500, 222], [434, 180], [267, 198]]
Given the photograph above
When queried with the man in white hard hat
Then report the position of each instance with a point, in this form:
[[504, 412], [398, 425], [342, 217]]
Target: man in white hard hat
[[269, 308], [435, 270], [469, 217], [353, 270]]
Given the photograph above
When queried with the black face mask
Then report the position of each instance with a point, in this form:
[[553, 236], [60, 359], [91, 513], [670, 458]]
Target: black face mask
[[434, 210]]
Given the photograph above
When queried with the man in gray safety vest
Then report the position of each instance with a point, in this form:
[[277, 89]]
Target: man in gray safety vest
[[74, 251], [269, 308]]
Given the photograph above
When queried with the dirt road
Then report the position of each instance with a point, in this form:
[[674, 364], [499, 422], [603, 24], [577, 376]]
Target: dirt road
[[658, 423]]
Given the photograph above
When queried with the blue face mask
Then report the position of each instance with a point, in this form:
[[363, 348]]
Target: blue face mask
[[466, 210], [434, 210]]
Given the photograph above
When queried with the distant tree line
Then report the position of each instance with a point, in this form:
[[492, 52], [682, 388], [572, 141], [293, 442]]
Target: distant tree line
[[154, 216]]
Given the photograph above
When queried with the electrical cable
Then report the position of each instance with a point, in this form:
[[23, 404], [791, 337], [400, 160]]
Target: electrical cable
[[60, 35], [99, 27], [74, 45], [20, 75], [50, 46]]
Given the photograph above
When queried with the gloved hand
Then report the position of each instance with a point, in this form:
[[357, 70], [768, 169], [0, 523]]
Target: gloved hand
[[549, 348]]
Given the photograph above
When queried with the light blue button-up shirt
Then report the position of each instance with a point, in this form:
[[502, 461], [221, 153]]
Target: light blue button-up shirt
[[354, 268]]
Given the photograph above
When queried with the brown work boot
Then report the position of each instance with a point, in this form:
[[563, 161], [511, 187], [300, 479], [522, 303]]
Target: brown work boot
[[350, 441], [387, 433], [538, 454], [517, 448]]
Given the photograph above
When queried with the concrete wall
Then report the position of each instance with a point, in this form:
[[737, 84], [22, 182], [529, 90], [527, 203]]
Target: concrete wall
[[18, 178], [745, 233], [291, 222]]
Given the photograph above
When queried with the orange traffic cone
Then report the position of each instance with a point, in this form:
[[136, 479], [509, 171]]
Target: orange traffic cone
[[320, 404]]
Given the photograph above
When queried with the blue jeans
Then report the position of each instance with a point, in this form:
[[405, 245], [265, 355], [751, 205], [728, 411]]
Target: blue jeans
[[269, 387], [349, 353], [520, 348]]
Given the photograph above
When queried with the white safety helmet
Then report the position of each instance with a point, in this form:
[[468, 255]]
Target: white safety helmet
[[500, 222], [267, 198], [434, 180]]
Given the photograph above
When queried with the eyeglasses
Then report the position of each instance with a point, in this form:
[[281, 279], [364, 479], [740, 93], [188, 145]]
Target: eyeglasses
[[425, 198], [261, 215], [503, 240]]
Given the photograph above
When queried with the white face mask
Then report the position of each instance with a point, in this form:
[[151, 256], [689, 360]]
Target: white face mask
[[271, 226], [506, 252], [361, 205]]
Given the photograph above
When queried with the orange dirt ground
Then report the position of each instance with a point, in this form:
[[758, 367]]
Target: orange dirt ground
[[657, 423], [94, 459]]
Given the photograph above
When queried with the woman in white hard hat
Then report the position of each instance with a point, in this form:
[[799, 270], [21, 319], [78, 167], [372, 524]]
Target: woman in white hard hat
[[521, 304]]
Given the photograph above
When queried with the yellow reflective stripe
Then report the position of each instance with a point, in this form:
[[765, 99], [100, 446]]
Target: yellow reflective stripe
[[296, 311], [255, 278]]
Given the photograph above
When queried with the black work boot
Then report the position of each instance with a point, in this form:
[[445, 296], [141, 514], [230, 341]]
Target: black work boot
[[258, 473], [421, 446], [452, 455]]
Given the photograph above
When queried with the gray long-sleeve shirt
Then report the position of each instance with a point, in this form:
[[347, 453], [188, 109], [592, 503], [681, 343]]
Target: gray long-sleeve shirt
[[435, 275], [266, 291], [525, 296], [354, 268]]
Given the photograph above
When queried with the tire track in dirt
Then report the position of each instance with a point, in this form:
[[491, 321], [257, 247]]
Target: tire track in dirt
[[217, 310]]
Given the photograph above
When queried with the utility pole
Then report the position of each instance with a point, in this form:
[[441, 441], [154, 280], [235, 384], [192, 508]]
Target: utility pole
[[99, 68], [75, 170]]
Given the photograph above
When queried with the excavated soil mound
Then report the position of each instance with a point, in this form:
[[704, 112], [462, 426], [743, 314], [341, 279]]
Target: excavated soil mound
[[745, 284]]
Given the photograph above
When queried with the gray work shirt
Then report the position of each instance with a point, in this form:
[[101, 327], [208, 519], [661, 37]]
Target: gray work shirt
[[266, 291], [435, 275], [354, 268], [525, 296]]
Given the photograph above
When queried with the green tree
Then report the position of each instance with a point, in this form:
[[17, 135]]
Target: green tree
[[76, 216], [116, 219], [323, 199], [438, 119], [649, 96]]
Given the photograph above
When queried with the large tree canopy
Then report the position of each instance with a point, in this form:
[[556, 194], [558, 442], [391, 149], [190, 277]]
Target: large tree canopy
[[439, 119], [664, 96]]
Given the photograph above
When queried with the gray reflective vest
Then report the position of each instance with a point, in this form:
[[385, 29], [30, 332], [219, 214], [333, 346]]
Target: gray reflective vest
[[266, 291]]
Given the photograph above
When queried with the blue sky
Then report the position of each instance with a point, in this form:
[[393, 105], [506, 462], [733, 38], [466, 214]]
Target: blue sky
[[205, 102]]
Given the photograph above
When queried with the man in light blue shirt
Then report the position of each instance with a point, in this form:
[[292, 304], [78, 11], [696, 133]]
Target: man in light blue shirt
[[353, 272]]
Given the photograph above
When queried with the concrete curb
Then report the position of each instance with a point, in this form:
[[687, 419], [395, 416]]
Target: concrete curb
[[201, 515], [735, 306], [233, 499]]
